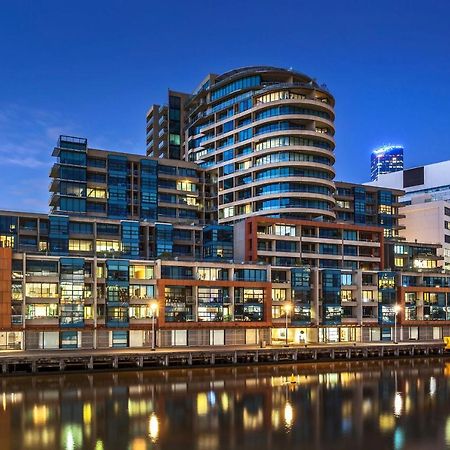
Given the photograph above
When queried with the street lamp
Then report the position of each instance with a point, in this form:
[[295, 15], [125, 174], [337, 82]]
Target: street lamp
[[397, 309], [154, 308], [287, 310]]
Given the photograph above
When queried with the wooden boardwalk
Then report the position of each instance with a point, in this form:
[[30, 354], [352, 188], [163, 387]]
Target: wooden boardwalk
[[45, 361]]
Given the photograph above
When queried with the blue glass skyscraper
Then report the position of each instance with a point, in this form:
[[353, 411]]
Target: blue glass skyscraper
[[386, 159]]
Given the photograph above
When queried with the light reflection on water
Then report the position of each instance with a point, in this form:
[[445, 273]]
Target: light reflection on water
[[398, 404]]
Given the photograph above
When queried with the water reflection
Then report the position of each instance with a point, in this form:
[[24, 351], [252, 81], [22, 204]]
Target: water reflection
[[400, 404]]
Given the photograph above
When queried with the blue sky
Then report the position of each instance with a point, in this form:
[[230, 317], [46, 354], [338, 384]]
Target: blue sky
[[92, 69]]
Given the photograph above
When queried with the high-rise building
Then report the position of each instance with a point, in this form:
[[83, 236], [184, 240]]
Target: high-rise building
[[164, 127], [386, 159], [264, 136]]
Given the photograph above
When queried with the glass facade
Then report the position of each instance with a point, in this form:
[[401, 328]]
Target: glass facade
[[218, 242], [72, 161], [117, 186], [72, 292], [331, 297], [163, 239], [149, 189], [130, 239], [58, 235], [117, 293], [386, 159], [301, 295]]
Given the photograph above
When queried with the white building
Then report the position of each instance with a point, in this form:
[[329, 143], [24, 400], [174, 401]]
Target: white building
[[428, 221], [426, 204], [432, 179]]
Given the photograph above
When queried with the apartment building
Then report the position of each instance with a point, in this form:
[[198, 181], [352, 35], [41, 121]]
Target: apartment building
[[230, 231]]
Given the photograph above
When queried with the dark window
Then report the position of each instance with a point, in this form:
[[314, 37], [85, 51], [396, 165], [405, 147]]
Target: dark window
[[413, 177]]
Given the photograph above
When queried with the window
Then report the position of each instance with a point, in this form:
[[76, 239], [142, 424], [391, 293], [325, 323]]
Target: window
[[250, 275], [96, 193], [6, 241], [350, 235], [80, 228], [385, 209], [80, 245], [177, 272], [367, 296], [279, 95], [42, 290], [398, 262], [328, 249], [107, 246], [424, 263], [141, 272], [346, 296], [284, 230], [243, 83], [174, 139], [386, 280], [141, 291], [186, 186], [346, 279], [284, 141], [42, 311], [212, 273], [400, 249], [106, 228], [41, 268], [279, 295]]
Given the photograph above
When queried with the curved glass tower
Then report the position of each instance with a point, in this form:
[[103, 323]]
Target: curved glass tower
[[265, 137], [386, 159]]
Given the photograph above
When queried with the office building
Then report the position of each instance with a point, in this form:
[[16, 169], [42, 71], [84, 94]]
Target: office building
[[386, 159]]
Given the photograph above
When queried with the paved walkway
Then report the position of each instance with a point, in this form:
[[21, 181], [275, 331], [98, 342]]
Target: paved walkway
[[58, 353]]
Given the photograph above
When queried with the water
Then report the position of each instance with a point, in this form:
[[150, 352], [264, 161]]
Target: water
[[401, 404]]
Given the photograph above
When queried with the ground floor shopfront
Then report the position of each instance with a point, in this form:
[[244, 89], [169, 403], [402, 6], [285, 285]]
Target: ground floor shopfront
[[193, 337], [337, 334]]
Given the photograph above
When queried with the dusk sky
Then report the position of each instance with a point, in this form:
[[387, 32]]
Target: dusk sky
[[93, 68]]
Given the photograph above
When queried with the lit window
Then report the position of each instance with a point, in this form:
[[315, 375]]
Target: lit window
[[346, 296], [398, 262]]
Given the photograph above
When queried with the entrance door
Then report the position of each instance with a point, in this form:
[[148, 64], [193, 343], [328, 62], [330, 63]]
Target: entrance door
[[348, 334], [217, 337], [329, 334]]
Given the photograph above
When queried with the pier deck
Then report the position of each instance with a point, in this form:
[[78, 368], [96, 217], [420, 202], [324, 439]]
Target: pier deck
[[42, 361]]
